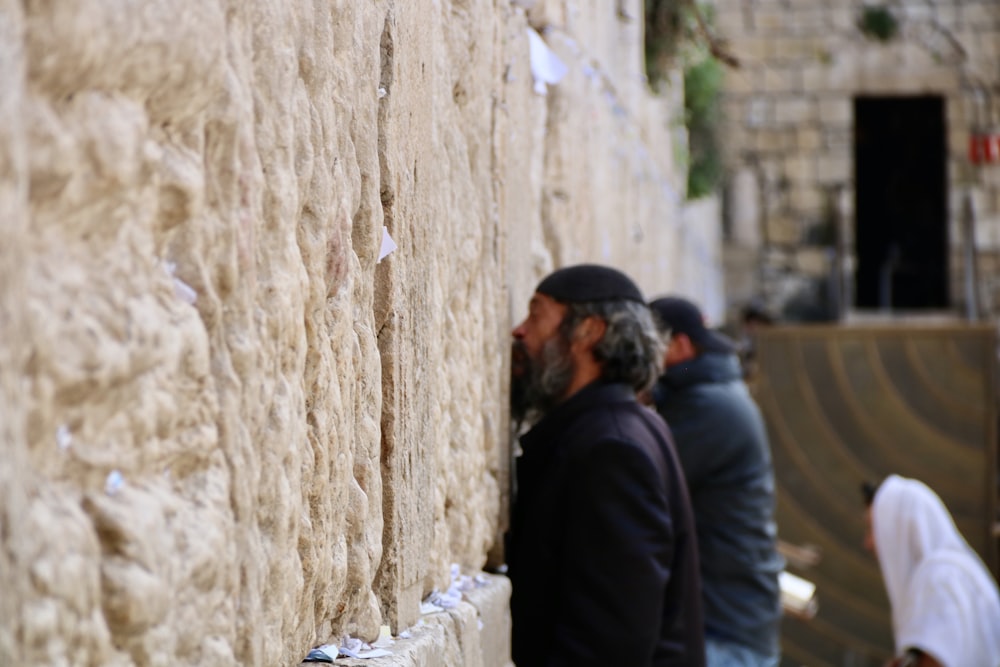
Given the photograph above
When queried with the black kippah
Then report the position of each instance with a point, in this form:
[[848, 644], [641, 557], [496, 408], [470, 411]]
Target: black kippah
[[589, 282]]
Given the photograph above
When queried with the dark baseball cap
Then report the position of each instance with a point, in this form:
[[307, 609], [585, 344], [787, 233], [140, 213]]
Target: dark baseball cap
[[589, 282], [681, 316]]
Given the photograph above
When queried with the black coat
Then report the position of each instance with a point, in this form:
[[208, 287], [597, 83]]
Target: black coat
[[722, 444], [602, 552]]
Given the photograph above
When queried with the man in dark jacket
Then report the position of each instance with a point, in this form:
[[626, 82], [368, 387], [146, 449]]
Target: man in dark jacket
[[724, 450], [602, 552]]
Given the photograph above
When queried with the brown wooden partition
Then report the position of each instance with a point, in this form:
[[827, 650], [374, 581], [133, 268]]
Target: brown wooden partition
[[849, 404]]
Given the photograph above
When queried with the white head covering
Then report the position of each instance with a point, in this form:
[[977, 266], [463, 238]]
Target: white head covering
[[944, 601]]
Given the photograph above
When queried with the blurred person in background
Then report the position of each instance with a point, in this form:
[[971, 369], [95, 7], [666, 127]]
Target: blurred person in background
[[945, 604], [726, 456]]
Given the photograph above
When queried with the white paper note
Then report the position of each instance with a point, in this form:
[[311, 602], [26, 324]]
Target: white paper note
[[388, 245], [546, 68]]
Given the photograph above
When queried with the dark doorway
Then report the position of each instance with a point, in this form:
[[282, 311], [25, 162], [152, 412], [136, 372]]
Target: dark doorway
[[901, 227]]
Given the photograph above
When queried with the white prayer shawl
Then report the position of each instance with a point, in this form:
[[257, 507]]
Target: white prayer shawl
[[944, 600]]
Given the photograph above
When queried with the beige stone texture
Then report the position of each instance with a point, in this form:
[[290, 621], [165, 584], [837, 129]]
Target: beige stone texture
[[14, 359], [808, 139], [781, 80], [833, 169], [229, 431], [773, 141], [741, 81], [792, 49], [813, 262], [770, 20], [807, 20], [793, 110], [745, 208], [751, 50], [842, 17], [783, 230], [743, 280], [806, 199], [730, 21], [758, 112], [800, 168], [836, 111]]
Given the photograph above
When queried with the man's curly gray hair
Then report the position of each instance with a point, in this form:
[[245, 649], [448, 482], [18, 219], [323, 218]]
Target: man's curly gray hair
[[631, 350]]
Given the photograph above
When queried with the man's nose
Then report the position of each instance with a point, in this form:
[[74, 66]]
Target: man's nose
[[518, 331]]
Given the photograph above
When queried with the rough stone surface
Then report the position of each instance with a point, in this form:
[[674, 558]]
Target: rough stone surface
[[302, 451]]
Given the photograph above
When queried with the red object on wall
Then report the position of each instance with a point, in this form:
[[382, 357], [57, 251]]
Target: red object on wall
[[984, 148]]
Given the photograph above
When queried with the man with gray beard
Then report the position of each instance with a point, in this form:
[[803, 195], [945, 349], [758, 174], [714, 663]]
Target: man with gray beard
[[602, 552]]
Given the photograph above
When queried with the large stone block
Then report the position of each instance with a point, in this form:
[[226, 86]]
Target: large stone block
[[793, 110], [744, 207]]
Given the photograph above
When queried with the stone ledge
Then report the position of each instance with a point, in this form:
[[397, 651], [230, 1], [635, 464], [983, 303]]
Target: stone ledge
[[474, 633]]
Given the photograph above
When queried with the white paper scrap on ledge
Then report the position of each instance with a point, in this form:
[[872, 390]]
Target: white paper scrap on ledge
[[353, 648], [388, 245], [546, 68]]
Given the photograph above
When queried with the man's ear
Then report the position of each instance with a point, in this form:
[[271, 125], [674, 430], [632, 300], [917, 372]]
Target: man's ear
[[590, 331]]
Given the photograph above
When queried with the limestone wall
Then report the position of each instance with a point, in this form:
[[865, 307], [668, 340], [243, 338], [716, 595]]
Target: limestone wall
[[229, 433], [789, 128]]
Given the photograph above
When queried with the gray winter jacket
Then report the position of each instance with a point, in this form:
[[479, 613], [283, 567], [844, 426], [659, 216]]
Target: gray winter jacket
[[724, 451]]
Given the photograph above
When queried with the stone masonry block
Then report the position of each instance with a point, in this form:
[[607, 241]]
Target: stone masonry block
[[806, 199], [841, 16], [832, 168], [795, 49], [741, 81], [759, 112], [752, 49], [800, 168], [783, 230], [808, 21], [983, 15], [781, 80], [808, 139], [729, 21], [771, 20], [948, 15], [835, 111], [829, 73], [837, 139], [813, 262], [774, 141], [792, 110]]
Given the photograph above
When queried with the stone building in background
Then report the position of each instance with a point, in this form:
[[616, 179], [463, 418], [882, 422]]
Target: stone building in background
[[230, 429], [862, 142]]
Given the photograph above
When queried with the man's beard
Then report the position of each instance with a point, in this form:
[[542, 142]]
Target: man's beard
[[538, 385]]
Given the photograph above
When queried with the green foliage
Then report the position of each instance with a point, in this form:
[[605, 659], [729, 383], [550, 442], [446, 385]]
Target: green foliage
[[672, 41], [878, 23], [702, 88]]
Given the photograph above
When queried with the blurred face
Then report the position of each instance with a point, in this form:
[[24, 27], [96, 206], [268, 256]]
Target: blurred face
[[545, 314], [679, 349], [869, 532], [541, 362]]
